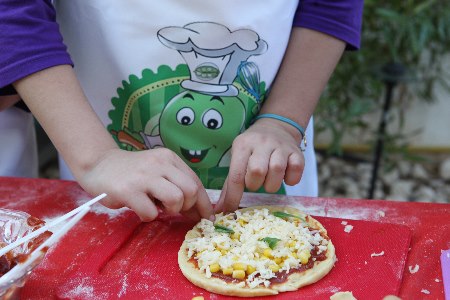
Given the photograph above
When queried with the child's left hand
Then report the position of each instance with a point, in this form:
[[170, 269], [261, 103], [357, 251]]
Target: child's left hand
[[264, 155]]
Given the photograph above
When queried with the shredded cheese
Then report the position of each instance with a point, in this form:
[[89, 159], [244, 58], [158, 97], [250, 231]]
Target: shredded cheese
[[246, 245]]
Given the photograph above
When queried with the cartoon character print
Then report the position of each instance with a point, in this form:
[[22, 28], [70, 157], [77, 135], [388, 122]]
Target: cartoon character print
[[200, 127], [207, 103]]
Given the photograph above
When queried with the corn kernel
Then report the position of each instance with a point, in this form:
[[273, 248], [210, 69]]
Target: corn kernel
[[235, 236], [304, 257], [267, 253], [238, 274], [227, 271], [214, 268], [294, 255], [223, 251], [240, 266], [242, 222], [250, 270], [235, 258], [292, 244], [274, 268], [278, 260]]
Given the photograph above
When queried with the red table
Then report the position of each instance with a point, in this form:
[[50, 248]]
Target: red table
[[429, 223]]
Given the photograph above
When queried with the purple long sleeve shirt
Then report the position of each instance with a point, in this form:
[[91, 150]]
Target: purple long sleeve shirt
[[30, 40]]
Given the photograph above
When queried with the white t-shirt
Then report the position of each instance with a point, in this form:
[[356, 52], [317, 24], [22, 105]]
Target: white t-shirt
[[18, 148], [187, 75]]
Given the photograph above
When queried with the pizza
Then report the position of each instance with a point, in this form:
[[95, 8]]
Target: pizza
[[256, 251]]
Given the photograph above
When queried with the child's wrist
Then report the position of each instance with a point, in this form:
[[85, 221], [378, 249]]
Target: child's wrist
[[293, 128], [283, 119]]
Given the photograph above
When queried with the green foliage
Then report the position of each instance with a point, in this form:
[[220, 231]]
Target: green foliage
[[411, 32]]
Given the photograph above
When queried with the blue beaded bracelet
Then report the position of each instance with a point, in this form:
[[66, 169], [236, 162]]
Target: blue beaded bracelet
[[288, 121], [283, 119]]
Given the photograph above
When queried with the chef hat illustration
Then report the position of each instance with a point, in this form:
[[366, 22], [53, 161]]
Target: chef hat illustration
[[213, 54]]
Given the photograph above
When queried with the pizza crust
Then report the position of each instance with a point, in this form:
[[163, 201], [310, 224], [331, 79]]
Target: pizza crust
[[294, 281]]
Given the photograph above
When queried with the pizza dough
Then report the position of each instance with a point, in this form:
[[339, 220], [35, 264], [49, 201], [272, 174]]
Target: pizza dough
[[256, 251]]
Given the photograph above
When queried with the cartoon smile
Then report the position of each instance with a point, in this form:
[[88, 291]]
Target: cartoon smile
[[194, 156]]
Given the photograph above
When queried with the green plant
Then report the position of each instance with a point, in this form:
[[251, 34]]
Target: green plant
[[413, 33]]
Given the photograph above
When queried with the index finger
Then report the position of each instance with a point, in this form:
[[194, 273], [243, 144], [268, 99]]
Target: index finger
[[235, 183], [203, 205]]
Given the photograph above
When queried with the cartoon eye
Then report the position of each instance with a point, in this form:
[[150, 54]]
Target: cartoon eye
[[212, 119], [185, 116]]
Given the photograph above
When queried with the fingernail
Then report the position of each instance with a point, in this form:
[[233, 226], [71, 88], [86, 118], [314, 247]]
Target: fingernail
[[212, 218]]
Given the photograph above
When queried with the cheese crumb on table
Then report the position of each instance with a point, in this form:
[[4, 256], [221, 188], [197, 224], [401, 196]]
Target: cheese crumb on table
[[348, 228], [427, 292], [343, 296], [381, 213], [344, 223], [377, 254], [391, 297], [437, 280], [414, 269]]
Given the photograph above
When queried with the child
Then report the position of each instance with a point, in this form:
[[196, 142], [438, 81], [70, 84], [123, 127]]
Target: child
[[183, 80]]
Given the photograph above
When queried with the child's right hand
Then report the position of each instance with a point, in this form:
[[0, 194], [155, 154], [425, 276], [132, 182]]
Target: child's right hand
[[139, 180]]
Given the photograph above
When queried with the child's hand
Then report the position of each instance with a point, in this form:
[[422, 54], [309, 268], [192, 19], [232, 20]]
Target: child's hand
[[139, 180], [264, 155]]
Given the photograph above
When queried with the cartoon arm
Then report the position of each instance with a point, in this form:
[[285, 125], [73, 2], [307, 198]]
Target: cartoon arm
[[152, 141]]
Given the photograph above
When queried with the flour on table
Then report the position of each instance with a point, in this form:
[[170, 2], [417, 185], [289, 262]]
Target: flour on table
[[426, 292], [343, 296], [414, 269], [331, 207], [348, 228], [83, 290], [99, 209], [381, 213], [344, 223], [377, 254], [123, 290]]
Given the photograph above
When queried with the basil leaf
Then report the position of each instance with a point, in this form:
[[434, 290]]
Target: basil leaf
[[223, 229], [272, 242], [284, 215]]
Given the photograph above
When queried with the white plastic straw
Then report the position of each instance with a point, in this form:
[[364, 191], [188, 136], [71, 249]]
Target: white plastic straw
[[43, 229], [18, 270]]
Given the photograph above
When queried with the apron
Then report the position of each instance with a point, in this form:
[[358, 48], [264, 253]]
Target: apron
[[186, 75]]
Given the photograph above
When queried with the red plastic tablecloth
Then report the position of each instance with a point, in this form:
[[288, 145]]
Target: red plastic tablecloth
[[48, 199]]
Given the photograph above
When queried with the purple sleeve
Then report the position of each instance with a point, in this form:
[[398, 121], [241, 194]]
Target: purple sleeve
[[339, 18], [30, 40]]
